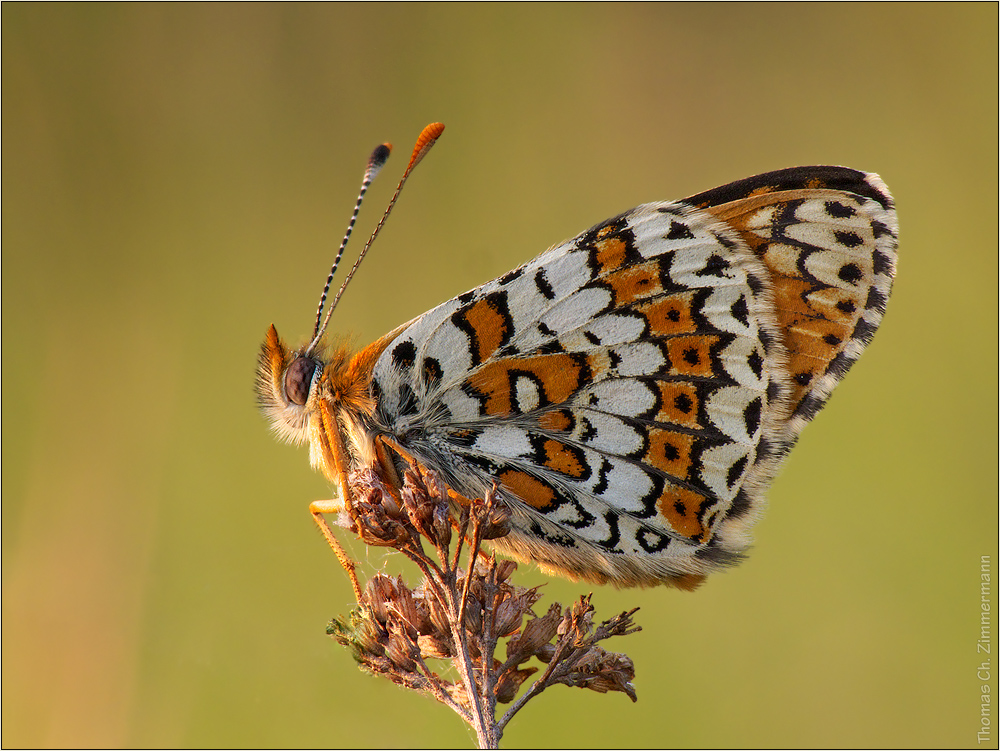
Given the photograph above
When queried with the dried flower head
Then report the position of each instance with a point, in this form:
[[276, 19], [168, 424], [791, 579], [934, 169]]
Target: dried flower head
[[461, 616]]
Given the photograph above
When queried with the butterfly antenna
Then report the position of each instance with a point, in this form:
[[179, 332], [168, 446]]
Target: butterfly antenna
[[375, 163], [428, 136]]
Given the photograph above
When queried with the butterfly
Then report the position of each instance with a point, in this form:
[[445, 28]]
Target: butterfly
[[632, 390]]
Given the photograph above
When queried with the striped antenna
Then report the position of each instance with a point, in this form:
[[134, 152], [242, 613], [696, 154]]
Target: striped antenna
[[375, 163], [428, 136]]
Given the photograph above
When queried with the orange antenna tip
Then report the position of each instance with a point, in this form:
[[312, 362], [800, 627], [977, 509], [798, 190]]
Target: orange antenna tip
[[427, 137]]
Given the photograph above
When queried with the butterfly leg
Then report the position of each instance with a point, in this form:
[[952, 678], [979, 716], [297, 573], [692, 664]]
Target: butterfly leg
[[384, 444], [388, 470], [333, 506]]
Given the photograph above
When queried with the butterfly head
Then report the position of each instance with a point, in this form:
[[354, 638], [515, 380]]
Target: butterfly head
[[288, 382], [288, 387]]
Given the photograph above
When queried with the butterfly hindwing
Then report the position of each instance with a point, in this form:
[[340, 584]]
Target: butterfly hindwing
[[619, 386]]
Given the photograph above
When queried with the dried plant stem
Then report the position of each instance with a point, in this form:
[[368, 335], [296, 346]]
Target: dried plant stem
[[462, 615]]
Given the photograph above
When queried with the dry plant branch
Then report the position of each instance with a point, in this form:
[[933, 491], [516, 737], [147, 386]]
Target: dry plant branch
[[462, 615]]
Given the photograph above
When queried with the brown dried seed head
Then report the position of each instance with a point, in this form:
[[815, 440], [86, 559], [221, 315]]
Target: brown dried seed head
[[536, 633], [379, 590], [405, 608], [508, 616], [390, 506], [363, 482], [510, 682], [476, 589], [505, 570], [419, 507], [473, 621], [436, 487], [398, 651], [437, 614], [431, 646], [546, 653], [615, 662], [442, 525], [496, 527], [603, 671], [423, 623], [492, 515], [578, 621], [378, 528], [369, 634], [412, 494]]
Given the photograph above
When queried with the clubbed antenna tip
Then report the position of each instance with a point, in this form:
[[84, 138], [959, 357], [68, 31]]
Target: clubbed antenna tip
[[378, 159]]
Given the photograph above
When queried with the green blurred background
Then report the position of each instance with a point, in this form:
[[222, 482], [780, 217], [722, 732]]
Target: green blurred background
[[176, 178]]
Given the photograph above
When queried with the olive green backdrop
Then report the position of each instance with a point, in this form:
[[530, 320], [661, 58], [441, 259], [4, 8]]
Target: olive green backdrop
[[176, 178]]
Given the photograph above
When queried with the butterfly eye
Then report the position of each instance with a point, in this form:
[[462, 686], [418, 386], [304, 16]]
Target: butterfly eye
[[298, 378]]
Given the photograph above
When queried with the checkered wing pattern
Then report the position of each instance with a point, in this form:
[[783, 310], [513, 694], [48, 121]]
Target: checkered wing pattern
[[634, 389]]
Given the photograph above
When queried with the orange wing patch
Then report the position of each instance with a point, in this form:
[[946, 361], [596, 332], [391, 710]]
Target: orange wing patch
[[636, 282], [670, 452], [557, 420], [670, 315], [559, 375], [611, 252], [692, 355], [681, 508], [529, 489], [679, 403], [488, 325], [564, 459]]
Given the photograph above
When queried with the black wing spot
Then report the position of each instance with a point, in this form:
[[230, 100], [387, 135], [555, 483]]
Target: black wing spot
[[736, 471], [404, 354], [881, 263], [432, 370], [671, 454], [683, 404], [408, 404], [510, 276], [740, 311], [679, 231], [715, 266], [839, 210], [543, 285], [751, 416], [464, 438], [850, 273], [876, 300], [848, 239], [651, 541]]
